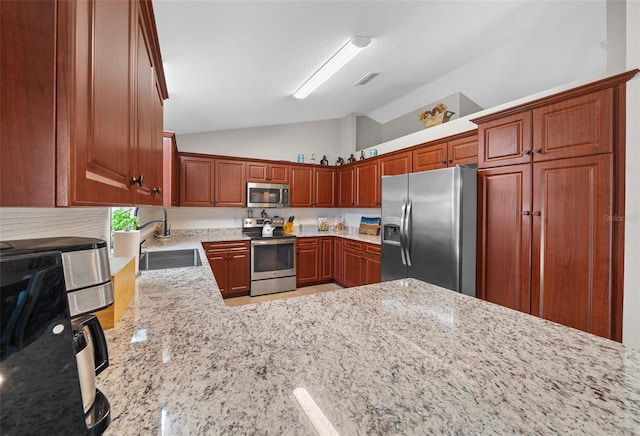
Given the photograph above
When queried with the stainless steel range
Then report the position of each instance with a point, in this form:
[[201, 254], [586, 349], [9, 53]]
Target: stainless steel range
[[273, 258]]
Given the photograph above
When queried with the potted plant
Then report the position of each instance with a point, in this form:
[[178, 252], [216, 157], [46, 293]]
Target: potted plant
[[121, 219], [126, 237]]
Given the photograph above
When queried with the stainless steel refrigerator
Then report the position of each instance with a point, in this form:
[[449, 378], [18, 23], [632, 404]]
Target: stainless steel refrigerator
[[429, 227]]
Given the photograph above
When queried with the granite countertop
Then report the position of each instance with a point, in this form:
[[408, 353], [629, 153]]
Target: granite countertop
[[401, 357]]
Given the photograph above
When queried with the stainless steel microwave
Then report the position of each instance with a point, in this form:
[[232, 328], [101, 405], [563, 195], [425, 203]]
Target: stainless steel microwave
[[267, 195]]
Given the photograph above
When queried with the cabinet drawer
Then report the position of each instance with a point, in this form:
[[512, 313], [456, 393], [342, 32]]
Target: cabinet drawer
[[306, 241], [353, 245], [225, 246], [372, 249]]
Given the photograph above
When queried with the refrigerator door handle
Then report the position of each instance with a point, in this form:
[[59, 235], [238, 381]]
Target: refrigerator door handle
[[407, 232], [403, 241]]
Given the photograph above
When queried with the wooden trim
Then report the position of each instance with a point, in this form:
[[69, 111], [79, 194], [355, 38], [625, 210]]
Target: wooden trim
[[619, 153], [146, 7], [588, 88]]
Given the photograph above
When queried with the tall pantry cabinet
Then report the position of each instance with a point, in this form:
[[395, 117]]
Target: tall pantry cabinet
[[550, 189], [82, 90]]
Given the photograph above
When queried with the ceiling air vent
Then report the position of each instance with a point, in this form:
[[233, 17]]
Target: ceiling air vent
[[366, 79]]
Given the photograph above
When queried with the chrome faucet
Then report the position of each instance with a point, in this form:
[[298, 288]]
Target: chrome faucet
[[165, 227]]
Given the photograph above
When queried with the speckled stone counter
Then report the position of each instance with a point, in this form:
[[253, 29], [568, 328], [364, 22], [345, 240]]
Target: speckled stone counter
[[306, 233], [400, 357]]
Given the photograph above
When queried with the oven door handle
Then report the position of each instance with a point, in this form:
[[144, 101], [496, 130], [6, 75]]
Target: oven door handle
[[275, 241]]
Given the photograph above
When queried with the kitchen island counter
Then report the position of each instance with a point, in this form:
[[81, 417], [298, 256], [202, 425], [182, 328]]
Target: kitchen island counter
[[401, 357]]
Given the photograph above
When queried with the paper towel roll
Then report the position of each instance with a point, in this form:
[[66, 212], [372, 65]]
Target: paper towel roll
[[127, 244]]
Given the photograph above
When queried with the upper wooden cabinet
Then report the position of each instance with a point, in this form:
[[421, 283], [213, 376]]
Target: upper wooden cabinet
[[346, 187], [312, 186], [367, 181], [207, 181], [171, 170], [459, 151], [229, 183], [267, 172], [396, 163], [85, 109]]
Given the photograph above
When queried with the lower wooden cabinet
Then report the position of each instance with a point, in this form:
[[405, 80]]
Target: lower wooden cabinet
[[230, 262], [314, 260], [360, 263], [337, 259]]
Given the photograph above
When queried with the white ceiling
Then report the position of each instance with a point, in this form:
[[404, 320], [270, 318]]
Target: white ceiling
[[235, 64]]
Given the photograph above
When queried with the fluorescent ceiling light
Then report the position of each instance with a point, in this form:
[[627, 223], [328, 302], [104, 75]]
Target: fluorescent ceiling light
[[337, 61]]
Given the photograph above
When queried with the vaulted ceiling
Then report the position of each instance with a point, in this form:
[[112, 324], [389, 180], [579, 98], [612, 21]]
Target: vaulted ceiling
[[235, 64]]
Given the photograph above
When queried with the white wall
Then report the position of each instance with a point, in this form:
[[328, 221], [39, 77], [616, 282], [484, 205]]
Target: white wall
[[631, 314], [27, 223], [284, 142]]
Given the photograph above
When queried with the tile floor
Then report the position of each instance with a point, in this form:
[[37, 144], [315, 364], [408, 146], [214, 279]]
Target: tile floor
[[239, 301]]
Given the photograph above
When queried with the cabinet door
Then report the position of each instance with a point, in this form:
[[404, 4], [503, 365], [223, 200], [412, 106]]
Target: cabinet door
[[367, 184], [505, 141], [279, 173], [326, 258], [346, 187], [463, 151], [171, 165], [430, 157], [238, 274], [301, 194], [28, 88], [504, 236], [308, 261], [230, 185], [580, 126], [218, 262], [196, 181], [395, 164], [97, 108], [337, 260], [352, 268], [372, 269], [148, 165], [257, 172], [324, 187], [572, 243]]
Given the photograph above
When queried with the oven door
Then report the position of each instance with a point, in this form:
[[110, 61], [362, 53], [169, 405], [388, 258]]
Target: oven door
[[272, 258]]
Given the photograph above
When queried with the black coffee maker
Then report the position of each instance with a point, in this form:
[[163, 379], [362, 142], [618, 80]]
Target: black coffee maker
[[48, 360]]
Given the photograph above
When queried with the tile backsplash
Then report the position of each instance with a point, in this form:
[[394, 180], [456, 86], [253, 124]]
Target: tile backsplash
[[26, 223]]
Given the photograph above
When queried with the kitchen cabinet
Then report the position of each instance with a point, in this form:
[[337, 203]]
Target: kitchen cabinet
[[346, 187], [459, 151], [549, 184], [307, 261], [263, 172], [171, 170], [326, 259], [338, 274], [360, 263], [207, 181], [312, 186], [230, 263], [196, 181], [88, 111], [367, 182], [395, 163], [229, 183]]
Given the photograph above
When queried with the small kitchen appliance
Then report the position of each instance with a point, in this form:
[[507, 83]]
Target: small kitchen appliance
[[49, 353], [273, 258], [261, 195]]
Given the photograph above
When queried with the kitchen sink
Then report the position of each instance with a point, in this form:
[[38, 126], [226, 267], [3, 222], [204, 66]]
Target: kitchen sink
[[169, 259]]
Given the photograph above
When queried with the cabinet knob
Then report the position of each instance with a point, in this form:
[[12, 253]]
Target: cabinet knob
[[526, 213], [138, 180], [537, 213], [157, 190], [537, 150], [450, 160], [526, 152], [443, 161]]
